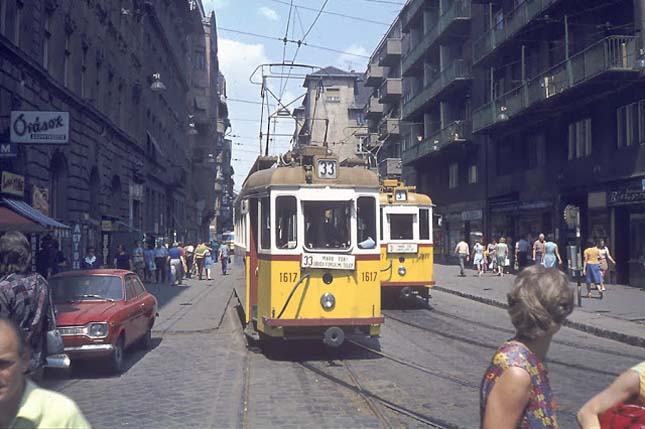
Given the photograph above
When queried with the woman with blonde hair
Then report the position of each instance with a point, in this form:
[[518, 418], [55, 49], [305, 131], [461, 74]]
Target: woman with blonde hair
[[629, 385], [515, 391]]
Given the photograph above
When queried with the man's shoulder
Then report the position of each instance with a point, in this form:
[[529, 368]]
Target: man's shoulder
[[55, 409]]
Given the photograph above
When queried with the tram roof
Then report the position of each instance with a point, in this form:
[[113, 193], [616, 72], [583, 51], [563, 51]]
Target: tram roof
[[414, 199], [352, 177]]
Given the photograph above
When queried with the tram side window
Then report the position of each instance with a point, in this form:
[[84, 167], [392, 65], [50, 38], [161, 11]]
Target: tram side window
[[401, 226], [265, 226], [327, 225], [424, 224], [366, 214], [286, 223]]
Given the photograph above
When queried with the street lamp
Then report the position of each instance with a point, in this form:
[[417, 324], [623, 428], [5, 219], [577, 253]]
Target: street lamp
[[502, 115], [420, 138], [192, 129], [640, 61], [157, 85]]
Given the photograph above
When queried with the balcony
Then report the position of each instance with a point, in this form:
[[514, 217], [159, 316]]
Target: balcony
[[456, 132], [459, 12], [449, 79], [614, 54], [391, 55], [389, 128], [410, 13], [373, 108], [511, 25], [391, 90], [374, 75]]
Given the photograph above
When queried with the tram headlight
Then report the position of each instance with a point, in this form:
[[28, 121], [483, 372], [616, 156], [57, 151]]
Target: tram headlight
[[328, 301], [402, 271]]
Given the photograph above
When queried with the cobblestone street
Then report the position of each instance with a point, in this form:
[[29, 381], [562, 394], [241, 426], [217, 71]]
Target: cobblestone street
[[200, 373]]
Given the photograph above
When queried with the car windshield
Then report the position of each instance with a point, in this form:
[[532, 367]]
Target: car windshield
[[86, 288]]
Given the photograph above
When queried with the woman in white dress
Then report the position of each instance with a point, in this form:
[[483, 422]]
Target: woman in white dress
[[478, 257]]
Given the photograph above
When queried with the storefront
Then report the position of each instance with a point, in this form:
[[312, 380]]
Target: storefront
[[515, 219], [459, 225]]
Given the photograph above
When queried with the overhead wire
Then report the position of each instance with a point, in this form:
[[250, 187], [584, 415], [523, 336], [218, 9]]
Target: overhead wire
[[342, 15]]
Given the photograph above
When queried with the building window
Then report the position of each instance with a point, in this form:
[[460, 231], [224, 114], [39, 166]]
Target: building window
[[46, 41], [453, 175], [200, 60], [67, 61], [18, 23], [333, 95], [3, 17], [629, 124], [83, 73], [536, 151], [472, 174], [580, 139]]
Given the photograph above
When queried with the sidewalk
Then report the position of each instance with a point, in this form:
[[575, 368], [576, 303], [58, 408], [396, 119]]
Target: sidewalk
[[619, 316]]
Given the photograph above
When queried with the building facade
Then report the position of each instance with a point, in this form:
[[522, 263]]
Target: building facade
[[332, 112], [531, 110], [127, 77]]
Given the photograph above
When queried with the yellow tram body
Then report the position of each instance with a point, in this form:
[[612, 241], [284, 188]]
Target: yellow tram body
[[311, 250], [406, 241]]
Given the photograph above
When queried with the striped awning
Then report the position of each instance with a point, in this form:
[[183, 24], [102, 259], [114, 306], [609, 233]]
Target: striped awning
[[24, 209]]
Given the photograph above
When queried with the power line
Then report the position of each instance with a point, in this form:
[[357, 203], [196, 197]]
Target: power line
[[385, 2], [355, 18]]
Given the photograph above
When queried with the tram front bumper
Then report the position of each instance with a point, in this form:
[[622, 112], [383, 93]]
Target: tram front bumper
[[315, 328]]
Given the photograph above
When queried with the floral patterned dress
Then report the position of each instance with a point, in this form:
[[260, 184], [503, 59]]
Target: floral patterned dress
[[640, 370], [540, 411]]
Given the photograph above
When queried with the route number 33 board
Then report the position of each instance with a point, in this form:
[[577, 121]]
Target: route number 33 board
[[330, 262], [327, 169]]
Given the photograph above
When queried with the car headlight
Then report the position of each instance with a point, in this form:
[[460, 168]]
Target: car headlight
[[402, 271], [328, 301], [97, 330]]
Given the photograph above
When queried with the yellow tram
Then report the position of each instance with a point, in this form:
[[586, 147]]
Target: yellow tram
[[308, 230], [406, 242]]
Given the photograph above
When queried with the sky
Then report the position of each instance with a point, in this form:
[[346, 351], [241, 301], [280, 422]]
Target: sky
[[349, 41]]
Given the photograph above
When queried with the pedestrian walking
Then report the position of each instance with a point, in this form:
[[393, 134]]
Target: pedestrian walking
[[462, 251], [522, 248], [122, 260], [23, 404], [501, 254], [190, 255], [138, 259], [478, 258], [515, 391], [209, 257], [591, 267], [161, 261], [90, 261], [149, 258], [224, 256], [492, 259], [24, 298], [200, 254], [538, 249], [176, 264], [628, 387], [605, 258], [551, 253], [45, 257]]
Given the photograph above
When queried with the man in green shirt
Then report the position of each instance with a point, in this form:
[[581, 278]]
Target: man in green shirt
[[24, 405]]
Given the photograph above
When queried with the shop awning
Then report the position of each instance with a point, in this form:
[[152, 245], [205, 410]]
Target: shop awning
[[12, 221], [28, 213]]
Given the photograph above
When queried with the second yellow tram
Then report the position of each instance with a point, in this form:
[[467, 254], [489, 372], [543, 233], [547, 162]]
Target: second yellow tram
[[406, 242]]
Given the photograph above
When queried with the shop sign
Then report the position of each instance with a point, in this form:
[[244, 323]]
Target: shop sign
[[13, 184], [330, 262], [597, 200], [39, 127], [105, 248], [106, 225], [8, 150], [76, 244], [626, 196], [516, 206], [40, 199], [471, 215]]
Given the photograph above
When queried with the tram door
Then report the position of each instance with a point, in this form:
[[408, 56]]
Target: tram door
[[253, 259]]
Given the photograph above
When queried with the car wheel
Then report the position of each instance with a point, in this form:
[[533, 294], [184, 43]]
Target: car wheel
[[146, 340], [116, 359]]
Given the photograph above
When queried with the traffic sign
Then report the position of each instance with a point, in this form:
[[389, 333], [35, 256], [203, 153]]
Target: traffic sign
[[8, 150]]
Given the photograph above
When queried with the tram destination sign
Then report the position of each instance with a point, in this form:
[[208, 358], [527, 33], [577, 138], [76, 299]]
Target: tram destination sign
[[328, 261], [402, 248]]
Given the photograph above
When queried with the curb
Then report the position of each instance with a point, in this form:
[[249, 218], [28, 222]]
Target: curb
[[632, 340]]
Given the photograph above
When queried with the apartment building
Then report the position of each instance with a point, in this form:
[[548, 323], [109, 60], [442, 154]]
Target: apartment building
[[530, 113]]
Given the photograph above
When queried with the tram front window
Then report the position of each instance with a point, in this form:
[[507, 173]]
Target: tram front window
[[327, 225], [401, 226]]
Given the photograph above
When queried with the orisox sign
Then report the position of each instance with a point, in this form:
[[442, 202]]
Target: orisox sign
[[39, 127]]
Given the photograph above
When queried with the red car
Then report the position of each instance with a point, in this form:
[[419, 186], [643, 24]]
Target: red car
[[100, 313]]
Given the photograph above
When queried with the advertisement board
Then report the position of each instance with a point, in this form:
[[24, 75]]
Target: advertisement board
[[39, 127]]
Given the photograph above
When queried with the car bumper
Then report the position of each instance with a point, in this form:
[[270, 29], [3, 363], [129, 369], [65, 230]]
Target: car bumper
[[89, 351]]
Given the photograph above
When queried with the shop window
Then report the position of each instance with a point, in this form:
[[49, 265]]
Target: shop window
[[424, 224], [327, 225], [366, 215], [401, 226], [453, 175], [265, 224], [580, 139], [286, 222], [472, 174]]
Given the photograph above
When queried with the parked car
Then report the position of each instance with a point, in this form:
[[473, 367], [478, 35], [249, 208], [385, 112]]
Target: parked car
[[101, 313]]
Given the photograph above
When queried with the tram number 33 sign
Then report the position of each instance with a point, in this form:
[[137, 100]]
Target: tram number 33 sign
[[327, 169], [331, 262]]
